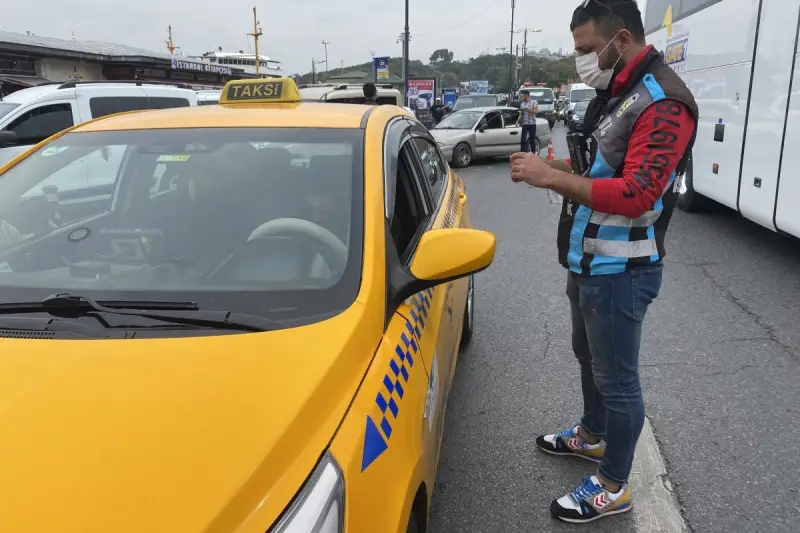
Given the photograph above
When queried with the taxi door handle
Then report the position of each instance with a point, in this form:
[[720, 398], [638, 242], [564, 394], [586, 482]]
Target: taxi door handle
[[514, 133]]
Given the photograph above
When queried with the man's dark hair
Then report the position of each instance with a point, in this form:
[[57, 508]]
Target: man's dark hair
[[524, 93], [369, 90], [611, 16]]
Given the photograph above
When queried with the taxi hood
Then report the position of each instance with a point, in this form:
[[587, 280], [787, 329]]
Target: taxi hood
[[179, 435]]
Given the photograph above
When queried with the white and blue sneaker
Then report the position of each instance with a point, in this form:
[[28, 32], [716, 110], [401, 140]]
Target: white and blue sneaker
[[590, 501], [567, 442]]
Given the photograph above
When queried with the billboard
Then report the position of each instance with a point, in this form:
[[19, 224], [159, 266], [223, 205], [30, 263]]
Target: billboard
[[420, 93], [479, 87], [380, 68]]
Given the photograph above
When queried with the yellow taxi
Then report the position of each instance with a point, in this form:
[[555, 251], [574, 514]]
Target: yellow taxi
[[238, 318]]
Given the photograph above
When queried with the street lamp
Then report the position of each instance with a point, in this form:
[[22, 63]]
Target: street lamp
[[325, 44]]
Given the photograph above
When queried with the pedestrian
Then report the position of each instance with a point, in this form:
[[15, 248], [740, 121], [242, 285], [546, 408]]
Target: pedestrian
[[438, 110], [370, 94], [527, 119], [611, 238]]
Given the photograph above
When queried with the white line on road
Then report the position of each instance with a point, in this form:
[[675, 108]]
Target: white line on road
[[655, 508]]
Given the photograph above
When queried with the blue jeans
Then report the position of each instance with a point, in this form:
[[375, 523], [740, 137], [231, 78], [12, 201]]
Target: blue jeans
[[607, 316], [528, 138]]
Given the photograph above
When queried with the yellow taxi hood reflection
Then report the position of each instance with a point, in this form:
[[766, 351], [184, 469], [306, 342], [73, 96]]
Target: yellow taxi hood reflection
[[176, 435]]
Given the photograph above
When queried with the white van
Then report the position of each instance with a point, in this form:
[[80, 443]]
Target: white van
[[208, 97], [545, 97], [578, 92], [29, 116], [349, 94]]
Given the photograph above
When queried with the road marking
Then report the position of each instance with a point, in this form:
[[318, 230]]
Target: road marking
[[655, 507]]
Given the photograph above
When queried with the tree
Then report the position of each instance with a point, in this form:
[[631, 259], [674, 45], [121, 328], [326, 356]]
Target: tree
[[442, 54], [448, 80]]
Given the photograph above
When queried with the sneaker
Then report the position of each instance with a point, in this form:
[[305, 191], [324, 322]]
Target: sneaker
[[590, 501], [568, 442]]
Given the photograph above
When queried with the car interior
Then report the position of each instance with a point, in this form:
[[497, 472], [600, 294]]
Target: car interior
[[172, 217]]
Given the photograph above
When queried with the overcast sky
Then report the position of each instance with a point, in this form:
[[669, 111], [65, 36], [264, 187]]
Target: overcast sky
[[293, 30]]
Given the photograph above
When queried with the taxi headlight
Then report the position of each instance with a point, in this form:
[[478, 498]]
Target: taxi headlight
[[319, 508]]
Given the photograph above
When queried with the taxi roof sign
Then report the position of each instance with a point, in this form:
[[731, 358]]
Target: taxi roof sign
[[263, 91]]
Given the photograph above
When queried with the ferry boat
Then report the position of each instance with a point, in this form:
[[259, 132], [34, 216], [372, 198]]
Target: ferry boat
[[268, 68]]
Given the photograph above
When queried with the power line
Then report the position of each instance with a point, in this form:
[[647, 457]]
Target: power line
[[462, 23]]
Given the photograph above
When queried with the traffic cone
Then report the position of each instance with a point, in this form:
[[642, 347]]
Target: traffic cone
[[551, 154]]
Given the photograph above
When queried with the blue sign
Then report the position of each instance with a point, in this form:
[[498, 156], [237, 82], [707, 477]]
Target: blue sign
[[380, 67], [449, 97]]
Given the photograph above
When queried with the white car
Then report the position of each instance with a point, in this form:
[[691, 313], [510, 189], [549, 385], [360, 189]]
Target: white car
[[34, 114], [480, 132]]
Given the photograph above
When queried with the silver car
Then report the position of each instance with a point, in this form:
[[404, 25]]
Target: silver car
[[484, 132]]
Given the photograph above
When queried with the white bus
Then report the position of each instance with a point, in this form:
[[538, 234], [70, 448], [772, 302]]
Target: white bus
[[738, 57]]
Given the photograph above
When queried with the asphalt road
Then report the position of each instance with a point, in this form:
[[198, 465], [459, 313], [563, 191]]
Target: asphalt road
[[720, 366]]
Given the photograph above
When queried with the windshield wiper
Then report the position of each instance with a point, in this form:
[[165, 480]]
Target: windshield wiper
[[185, 313]]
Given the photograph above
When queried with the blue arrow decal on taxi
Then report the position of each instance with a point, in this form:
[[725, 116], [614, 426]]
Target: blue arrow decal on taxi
[[390, 397]]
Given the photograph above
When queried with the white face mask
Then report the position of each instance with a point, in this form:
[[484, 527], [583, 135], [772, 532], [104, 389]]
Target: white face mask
[[589, 70]]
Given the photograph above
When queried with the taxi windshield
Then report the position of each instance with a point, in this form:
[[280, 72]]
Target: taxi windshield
[[264, 221]]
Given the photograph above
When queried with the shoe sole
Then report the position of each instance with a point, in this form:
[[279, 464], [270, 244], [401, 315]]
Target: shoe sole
[[609, 513], [569, 454]]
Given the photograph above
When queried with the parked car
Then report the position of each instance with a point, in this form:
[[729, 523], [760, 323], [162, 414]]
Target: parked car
[[31, 115], [208, 97], [484, 132], [575, 121]]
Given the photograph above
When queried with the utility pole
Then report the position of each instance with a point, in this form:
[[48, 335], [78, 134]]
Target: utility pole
[[407, 36], [325, 44], [511, 50], [313, 71], [525, 49], [516, 69], [255, 35]]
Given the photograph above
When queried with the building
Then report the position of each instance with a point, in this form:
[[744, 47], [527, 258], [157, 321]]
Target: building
[[27, 60]]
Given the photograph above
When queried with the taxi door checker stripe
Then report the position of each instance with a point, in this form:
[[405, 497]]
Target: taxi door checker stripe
[[389, 399]]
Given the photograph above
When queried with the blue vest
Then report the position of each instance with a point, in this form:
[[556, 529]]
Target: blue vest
[[596, 243]]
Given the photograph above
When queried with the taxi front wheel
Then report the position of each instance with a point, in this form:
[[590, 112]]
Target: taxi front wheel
[[469, 314]]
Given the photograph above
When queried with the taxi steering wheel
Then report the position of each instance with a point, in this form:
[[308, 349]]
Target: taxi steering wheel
[[335, 251]]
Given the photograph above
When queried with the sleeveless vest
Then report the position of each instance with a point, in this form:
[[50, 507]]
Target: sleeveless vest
[[594, 243]]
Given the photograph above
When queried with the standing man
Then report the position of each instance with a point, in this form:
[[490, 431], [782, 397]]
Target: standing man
[[438, 110], [370, 94], [527, 118], [611, 239]]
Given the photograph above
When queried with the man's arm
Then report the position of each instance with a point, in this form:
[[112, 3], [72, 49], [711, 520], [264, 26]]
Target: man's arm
[[659, 140]]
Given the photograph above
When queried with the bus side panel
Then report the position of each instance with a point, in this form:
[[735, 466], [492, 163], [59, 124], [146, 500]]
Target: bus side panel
[[718, 43], [771, 75], [787, 216]]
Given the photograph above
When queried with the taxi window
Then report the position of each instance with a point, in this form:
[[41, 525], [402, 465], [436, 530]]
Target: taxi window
[[264, 221], [433, 167]]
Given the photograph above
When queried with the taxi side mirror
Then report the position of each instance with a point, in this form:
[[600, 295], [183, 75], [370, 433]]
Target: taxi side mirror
[[441, 256], [482, 127]]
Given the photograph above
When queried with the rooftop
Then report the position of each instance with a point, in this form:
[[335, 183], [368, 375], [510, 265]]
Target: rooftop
[[84, 49]]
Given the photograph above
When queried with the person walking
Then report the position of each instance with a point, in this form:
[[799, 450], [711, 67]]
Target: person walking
[[527, 119], [370, 94], [611, 239]]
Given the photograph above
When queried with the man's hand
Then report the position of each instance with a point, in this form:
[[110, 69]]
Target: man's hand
[[531, 169]]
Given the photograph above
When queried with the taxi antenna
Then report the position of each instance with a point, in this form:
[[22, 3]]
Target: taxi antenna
[[255, 35]]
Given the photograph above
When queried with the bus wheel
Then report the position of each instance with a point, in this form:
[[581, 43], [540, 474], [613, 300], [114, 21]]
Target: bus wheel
[[689, 200]]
